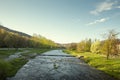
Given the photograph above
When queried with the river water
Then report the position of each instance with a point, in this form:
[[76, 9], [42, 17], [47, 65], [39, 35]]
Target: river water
[[57, 65]]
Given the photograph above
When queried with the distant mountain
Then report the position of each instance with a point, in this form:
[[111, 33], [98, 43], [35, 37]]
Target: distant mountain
[[14, 31]]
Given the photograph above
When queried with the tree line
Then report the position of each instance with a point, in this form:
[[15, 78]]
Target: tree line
[[14, 40], [110, 46]]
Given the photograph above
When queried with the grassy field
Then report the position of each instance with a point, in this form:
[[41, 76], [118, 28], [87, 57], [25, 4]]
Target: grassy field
[[111, 66], [9, 68]]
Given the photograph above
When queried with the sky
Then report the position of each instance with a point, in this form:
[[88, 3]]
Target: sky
[[63, 21]]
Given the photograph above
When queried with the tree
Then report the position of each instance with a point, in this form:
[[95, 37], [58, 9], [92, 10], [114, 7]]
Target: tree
[[8, 40], [87, 45], [3, 34], [71, 46], [42, 42], [81, 46], [15, 40], [110, 44], [84, 46], [95, 47]]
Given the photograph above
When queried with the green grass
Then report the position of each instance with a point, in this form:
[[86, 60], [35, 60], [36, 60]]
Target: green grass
[[6, 53], [5, 67], [9, 68], [16, 65], [110, 66]]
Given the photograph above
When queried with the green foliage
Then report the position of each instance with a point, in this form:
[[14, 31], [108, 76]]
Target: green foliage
[[95, 47], [84, 46], [81, 46], [109, 46], [42, 42], [14, 40], [71, 46], [88, 45]]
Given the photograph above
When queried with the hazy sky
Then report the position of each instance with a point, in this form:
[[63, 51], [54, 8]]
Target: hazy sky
[[61, 20]]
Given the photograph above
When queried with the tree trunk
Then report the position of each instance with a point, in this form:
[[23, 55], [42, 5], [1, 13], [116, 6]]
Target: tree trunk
[[107, 56]]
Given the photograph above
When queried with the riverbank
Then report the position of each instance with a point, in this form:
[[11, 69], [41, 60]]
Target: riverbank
[[111, 66], [10, 65]]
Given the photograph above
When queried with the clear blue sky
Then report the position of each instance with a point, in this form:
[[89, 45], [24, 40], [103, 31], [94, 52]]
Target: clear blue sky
[[62, 21]]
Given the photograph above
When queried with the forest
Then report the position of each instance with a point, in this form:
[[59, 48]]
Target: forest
[[15, 40]]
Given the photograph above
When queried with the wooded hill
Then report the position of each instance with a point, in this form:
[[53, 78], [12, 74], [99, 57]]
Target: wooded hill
[[14, 31], [14, 39]]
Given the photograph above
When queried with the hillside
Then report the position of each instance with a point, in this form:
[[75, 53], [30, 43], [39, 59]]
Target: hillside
[[10, 39], [14, 31]]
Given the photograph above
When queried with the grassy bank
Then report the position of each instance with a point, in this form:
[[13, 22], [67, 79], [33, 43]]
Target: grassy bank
[[6, 53], [9, 68], [111, 66]]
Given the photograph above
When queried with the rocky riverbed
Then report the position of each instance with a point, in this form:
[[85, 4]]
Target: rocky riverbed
[[56, 65]]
